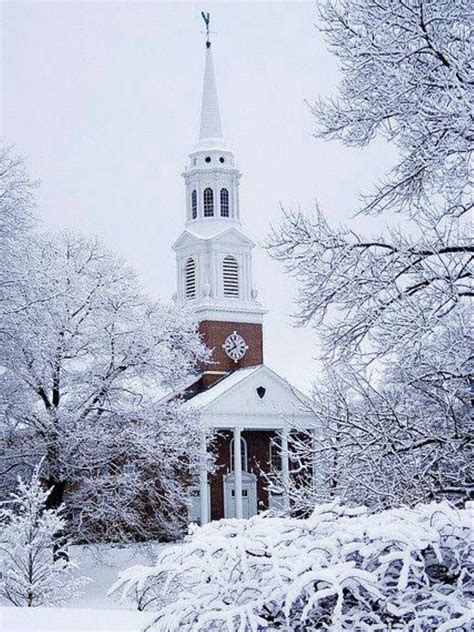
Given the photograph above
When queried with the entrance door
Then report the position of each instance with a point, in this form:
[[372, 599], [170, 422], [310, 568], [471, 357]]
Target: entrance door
[[249, 495]]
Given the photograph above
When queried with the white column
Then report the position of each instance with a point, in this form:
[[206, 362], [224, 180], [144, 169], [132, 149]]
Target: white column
[[238, 472], [203, 487], [316, 475], [285, 470]]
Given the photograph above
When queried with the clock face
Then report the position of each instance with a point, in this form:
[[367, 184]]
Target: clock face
[[235, 346]]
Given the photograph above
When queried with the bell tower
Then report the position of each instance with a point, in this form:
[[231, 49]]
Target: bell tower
[[213, 255]]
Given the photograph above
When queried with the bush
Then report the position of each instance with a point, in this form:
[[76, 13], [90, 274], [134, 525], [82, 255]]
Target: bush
[[340, 569]]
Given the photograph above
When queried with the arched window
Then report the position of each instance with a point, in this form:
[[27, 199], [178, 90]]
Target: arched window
[[190, 278], [208, 199], [243, 452], [194, 204], [275, 454], [230, 275], [224, 203]]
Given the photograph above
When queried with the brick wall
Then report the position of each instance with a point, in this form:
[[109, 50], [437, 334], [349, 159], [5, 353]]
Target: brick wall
[[214, 334]]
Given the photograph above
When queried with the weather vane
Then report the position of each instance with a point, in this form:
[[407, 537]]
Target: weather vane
[[206, 17]]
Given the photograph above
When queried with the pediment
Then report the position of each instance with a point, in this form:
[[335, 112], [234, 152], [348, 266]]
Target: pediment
[[228, 236], [250, 394], [232, 236], [187, 238]]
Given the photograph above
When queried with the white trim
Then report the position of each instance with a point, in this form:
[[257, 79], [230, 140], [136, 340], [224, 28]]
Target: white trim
[[203, 482], [238, 472], [285, 470], [196, 488]]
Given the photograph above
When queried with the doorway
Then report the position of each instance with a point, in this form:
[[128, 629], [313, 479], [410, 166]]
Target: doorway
[[249, 495]]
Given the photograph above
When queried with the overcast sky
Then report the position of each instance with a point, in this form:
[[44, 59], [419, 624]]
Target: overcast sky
[[103, 98]]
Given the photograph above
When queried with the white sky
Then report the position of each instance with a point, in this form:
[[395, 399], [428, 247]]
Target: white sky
[[103, 98]]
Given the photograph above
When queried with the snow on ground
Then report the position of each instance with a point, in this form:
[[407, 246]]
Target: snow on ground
[[72, 620], [103, 564], [94, 611]]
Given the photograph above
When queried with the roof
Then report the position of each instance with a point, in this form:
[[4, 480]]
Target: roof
[[210, 127], [222, 386], [230, 381]]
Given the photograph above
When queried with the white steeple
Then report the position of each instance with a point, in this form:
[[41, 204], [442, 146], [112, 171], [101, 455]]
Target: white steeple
[[213, 255], [210, 130]]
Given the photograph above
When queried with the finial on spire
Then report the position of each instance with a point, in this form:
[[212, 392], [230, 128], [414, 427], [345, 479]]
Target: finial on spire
[[206, 17]]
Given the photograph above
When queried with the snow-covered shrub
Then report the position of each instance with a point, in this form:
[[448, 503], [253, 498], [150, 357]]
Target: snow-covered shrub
[[35, 569], [340, 569]]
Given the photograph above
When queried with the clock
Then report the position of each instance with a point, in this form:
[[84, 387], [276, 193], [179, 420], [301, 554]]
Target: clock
[[235, 346]]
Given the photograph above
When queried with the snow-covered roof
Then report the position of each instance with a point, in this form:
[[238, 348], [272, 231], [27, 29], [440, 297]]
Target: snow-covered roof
[[247, 379], [223, 386]]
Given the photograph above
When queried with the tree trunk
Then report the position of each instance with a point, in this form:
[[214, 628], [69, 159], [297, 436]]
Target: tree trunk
[[54, 501]]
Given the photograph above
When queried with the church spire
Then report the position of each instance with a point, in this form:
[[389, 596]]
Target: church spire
[[210, 127]]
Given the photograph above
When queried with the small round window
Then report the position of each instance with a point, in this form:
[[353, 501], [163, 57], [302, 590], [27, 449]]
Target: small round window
[[221, 160], [208, 159]]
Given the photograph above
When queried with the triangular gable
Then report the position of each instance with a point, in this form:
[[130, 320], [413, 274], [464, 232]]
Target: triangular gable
[[187, 238], [229, 236], [237, 394], [232, 236]]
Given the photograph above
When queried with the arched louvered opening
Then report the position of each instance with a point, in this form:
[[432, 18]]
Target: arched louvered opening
[[224, 203], [230, 274], [208, 199], [190, 278], [194, 204]]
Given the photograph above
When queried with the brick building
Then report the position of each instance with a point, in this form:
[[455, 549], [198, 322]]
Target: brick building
[[243, 404]]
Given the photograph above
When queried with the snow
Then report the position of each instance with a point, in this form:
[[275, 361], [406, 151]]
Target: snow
[[93, 610], [102, 564], [224, 385], [72, 620], [346, 567]]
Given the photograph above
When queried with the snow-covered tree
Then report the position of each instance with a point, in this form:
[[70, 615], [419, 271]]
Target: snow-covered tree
[[398, 299], [16, 220], [339, 569], [406, 75], [88, 357], [35, 569], [16, 206], [385, 442]]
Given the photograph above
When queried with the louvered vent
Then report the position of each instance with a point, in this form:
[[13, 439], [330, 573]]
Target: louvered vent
[[231, 277], [190, 278]]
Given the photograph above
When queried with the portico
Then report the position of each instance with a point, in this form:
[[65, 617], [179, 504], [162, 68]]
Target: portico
[[245, 448]]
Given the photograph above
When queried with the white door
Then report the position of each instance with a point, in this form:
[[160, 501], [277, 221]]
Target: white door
[[249, 495]]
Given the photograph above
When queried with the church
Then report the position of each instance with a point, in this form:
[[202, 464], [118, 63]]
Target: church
[[247, 410]]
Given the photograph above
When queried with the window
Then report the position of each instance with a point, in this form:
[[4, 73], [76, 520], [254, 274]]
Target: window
[[208, 202], [230, 274], [275, 454], [224, 203], [194, 204], [190, 278], [243, 452]]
